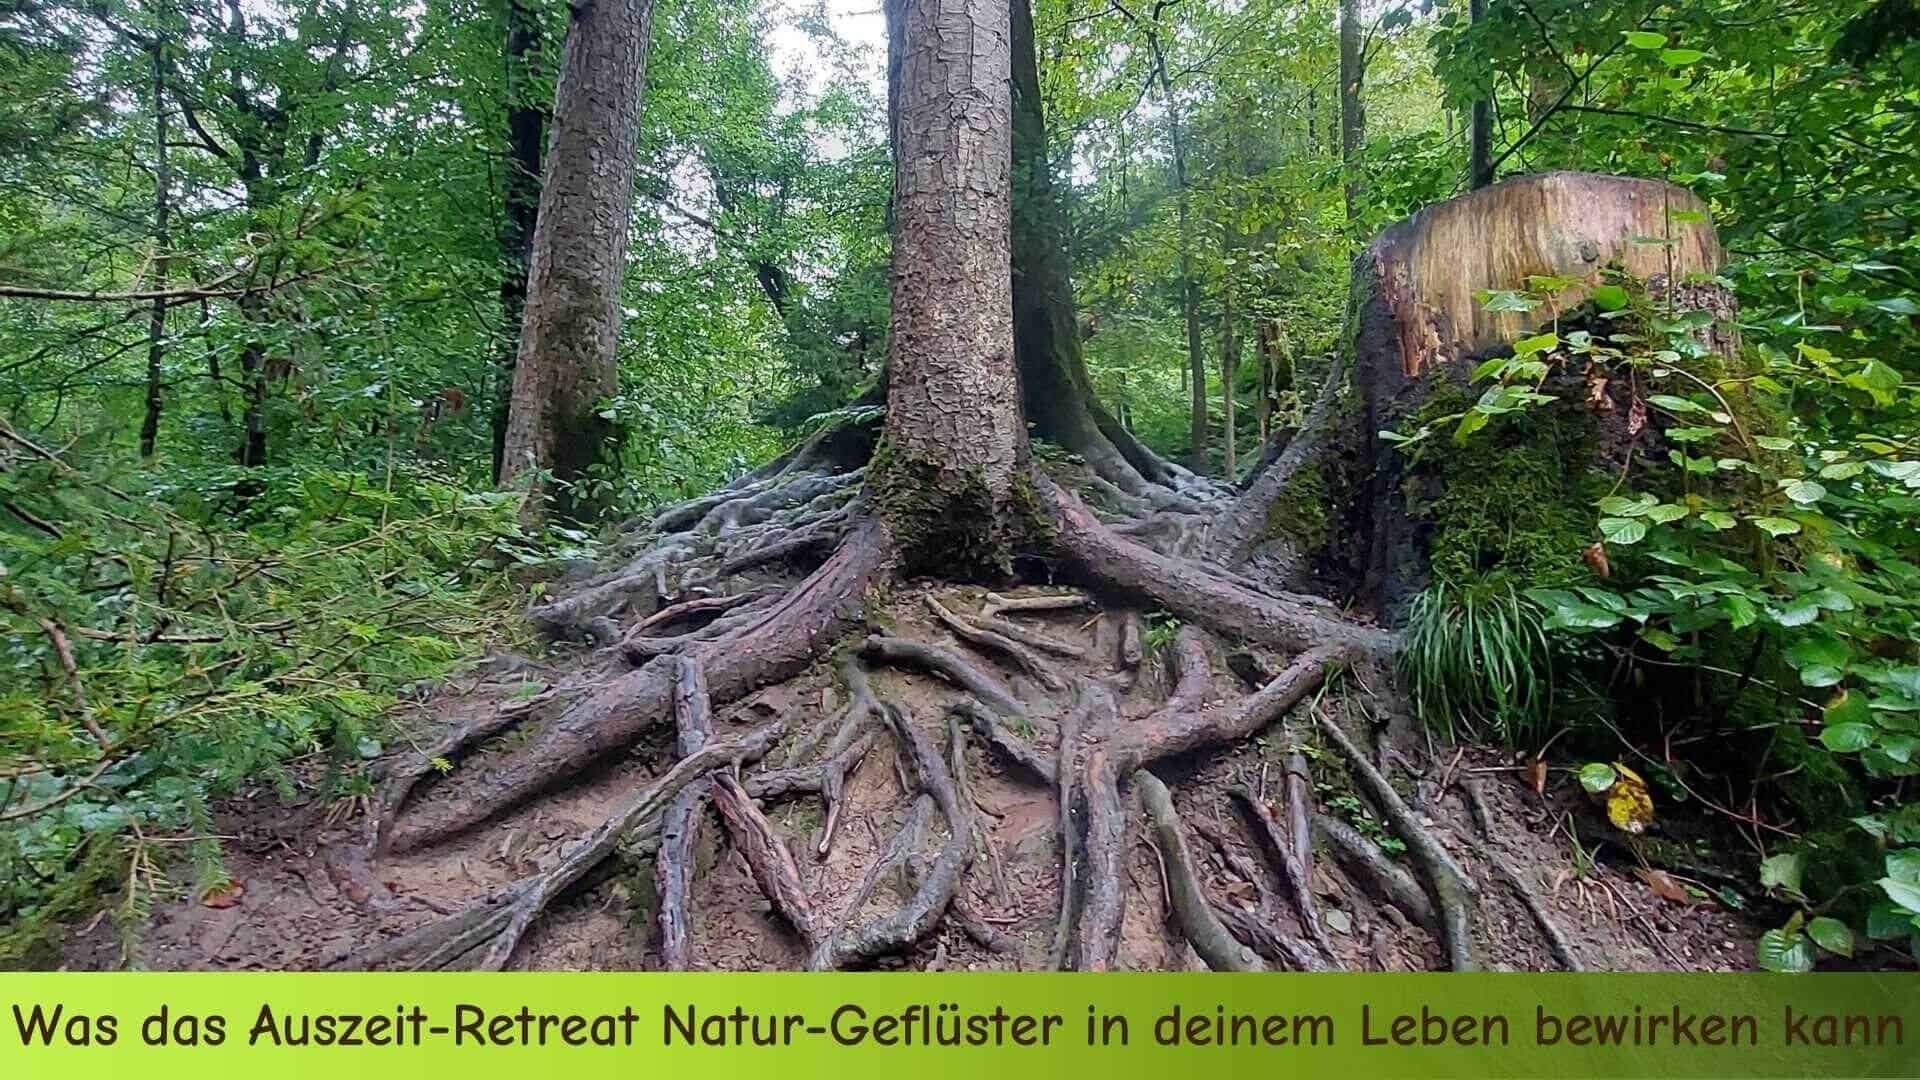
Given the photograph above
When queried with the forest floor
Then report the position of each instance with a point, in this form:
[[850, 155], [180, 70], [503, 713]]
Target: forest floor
[[304, 899]]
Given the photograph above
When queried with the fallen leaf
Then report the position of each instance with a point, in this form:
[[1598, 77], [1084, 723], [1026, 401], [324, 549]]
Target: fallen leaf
[[226, 897], [1629, 804], [1597, 397], [1662, 884], [1537, 776], [1636, 417], [1338, 921], [1595, 555]]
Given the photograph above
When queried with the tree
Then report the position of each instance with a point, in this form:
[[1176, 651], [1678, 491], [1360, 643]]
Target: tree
[[1056, 390], [526, 122], [569, 337], [1479, 122], [1353, 121]]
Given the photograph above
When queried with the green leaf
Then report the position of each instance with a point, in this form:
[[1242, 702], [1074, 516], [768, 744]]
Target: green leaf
[[1804, 492], [1831, 935], [1904, 893], [1528, 346], [1623, 530], [1904, 865], [1675, 404], [1886, 922], [1847, 738], [1610, 298], [1774, 526], [1473, 421], [1681, 58], [1773, 442], [1719, 519], [1666, 512], [1778, 950], [1897, 305], [1643, 39], [1782, 871], [1821, 675], [1597, 776]]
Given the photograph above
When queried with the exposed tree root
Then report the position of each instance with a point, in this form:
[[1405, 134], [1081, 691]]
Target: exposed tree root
[[938, 886], [1202, 927], [499, 922], [779, 644], [996, 605], [1556, 938], [1374, 871], [1452, 890], [1259, 929], [983, 638], [1196, 592], [1291, 864]]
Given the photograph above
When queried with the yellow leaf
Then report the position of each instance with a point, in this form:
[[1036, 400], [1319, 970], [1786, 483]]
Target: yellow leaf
[[1629, 804]]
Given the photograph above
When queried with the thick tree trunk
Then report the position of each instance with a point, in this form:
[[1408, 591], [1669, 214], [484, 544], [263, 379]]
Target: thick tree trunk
[[162, 208], [951, 470], [1353, 122], [568, 342], [520, 198], [1414, 323]]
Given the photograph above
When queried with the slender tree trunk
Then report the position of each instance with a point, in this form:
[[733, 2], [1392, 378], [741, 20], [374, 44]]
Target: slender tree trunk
[[253, 384], [1353, 120], [1479, 125], [1189, 293], [568, 357], [949, 477], [1229, 370], [526, 121], [162, 208]]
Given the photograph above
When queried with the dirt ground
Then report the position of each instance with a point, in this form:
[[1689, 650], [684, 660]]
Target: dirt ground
[[308, 897]]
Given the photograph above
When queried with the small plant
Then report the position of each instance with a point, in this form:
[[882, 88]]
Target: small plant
[[1478, 662]]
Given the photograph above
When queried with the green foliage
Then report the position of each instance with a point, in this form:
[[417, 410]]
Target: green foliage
[[1477, 662], [1777, 524], [167, 647]]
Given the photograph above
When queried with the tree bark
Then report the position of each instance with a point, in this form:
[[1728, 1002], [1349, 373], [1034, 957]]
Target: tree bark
[[162, 208], [1229, 354], [955, 444], [1479, 124], [568, 357], [1353, 121], [520, 198]]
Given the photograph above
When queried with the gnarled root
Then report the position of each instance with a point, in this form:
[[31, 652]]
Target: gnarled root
[[1451, 889], [500, 921], [938, 886], [1291, 856], [1203, 929], [778, 645]]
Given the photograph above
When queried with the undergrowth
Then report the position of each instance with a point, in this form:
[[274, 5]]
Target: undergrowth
[[175, 637]]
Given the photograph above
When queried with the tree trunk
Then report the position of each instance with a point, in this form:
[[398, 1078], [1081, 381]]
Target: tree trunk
[[1056, 390], [1414, 324], [950, 473], [520, 198], [568, 357], [1353, 122], [1480, 124], [1229, 357], [1189, 298], [162, 208]]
